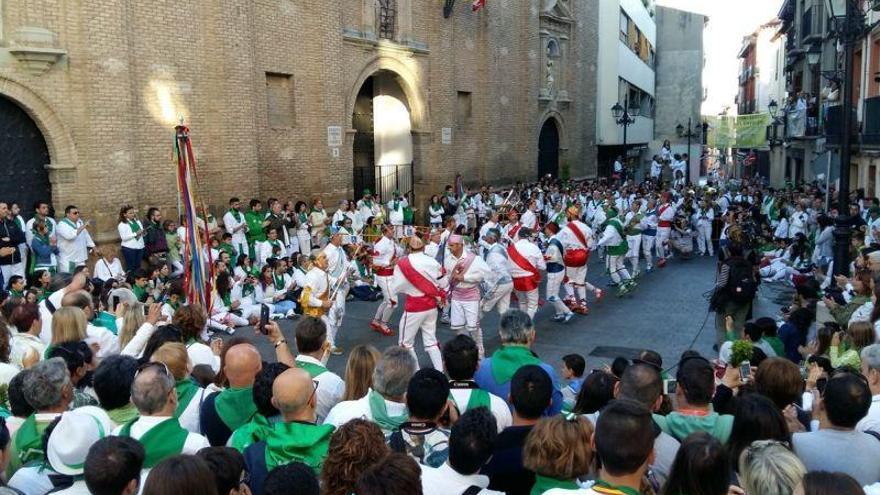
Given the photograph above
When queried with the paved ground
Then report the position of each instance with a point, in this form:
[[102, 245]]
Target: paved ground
[[666, 313]]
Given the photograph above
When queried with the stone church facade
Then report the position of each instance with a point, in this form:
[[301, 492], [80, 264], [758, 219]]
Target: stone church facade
[[289, 98]]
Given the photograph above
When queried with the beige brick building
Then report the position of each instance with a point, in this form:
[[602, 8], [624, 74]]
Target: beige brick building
[[289, 98]]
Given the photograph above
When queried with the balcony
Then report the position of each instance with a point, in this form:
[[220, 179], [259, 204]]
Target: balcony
[[871, 133], [834, 125]]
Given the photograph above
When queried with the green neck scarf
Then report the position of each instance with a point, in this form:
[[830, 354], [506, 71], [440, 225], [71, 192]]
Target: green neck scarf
[[227, 299], [543, 483], [235, 406], [311, 368], [256, 430], [135, 226], [69, 222], [302, 442], [106, 320], [160, 442], [510, 358], [124, 414], [279, 281], [380, 413], [478, 398], [139, 292], [29, 440], [16, 293], [608, 488], [186, 390], [235, 214]]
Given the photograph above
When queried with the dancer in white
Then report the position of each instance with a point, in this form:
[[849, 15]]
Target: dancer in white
[[633, 231], [337, 269], [421, 279], [665, 216], [553, 256], [613, 238], [385, 254], [525, 262], [498, 284], [577, 241], [703, 220], [649, 234], [465, 271]]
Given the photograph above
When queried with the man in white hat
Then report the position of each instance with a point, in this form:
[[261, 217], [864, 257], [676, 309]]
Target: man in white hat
[[526, 262], [385, 255], [421, 279], [465, 271], [66, 450]]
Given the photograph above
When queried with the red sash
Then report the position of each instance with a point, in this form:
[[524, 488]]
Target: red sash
[[384, 271], [663, 223], [513, 230], [576, 257], [523, 284], [418, 304]]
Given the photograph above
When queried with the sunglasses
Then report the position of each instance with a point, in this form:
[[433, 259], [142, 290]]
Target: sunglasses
[[162, 367]]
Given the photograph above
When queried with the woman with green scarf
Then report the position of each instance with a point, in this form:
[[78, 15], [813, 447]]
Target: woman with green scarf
[[558, 451], [131, 233]]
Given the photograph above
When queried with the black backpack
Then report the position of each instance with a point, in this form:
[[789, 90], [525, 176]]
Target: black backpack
[[741, 284]]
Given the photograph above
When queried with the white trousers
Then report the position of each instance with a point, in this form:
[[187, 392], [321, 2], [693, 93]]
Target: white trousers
[[464, 316], [554, 283], [704, 238], [528, 302], [426, 322], [662, 238], [635, 243], [617, 268], [304, 241], [648, 249], [498, 297], [389, 302]]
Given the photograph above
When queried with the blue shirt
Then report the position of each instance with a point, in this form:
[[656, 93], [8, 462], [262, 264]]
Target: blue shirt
[[487, 382], [791, 338]]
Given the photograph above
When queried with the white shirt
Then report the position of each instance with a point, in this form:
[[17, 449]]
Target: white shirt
[[499, 408], [330, 388], [529, 219], [29, 229], [428, 267], [318, 283], [499, 271], [189, 418], [384, 252], [872, 420], [476, 272], [531, 253], [105, 270], [107, 342], [569, 240], [129, 237], [199, 353], [21, 344], [656, 169], [234, 228], [446, 481], [72, 247], [193, 443], [46, 316], [348, 410], [337, 261]]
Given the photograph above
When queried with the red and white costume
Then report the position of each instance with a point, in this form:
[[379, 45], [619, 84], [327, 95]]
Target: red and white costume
[[526, 262], [464, 295], [529, 219], [421, 279], [385, 253], [665, 216], [578, 240]]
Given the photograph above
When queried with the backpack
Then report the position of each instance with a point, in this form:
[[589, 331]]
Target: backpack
[[741, 284]]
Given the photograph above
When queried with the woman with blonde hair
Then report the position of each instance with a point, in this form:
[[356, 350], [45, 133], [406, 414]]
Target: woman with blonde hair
[[68, 325], [132, 319], [189, 395], [558, 450], [768, 467], [359, 371]]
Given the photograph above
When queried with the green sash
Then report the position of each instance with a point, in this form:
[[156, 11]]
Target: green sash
[[623, 247], [235, 406], [303, 442], [478, 398], [314, 370], [29, 440], [139, 292], [235, 214], [186, 390], [250, 433], [124, 414], [106, 320], [160, 442], [380, 413], [227, 299], [135, 226], [276, 279], [607, 488], [543, 483], [508, 359], [69, 222]]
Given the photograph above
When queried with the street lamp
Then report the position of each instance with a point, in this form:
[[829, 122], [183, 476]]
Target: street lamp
[[814, 55], [775, 120], [691, 132], [625, 115], [849, 27]]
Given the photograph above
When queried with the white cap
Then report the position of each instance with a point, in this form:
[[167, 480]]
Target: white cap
[[72, 437]]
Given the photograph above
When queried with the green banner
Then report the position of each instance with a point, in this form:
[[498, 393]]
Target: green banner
[[751, 130], [725, 132]]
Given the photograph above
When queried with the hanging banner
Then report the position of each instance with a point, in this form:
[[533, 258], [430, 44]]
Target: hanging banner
[[725, 132], [751, 130]]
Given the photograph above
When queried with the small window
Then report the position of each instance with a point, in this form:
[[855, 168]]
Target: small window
[[552, 49], [464, 109], [624, 27], [387, 19], [279, 100]]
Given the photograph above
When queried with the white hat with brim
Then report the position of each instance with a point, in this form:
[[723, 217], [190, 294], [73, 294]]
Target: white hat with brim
[[73, 436]]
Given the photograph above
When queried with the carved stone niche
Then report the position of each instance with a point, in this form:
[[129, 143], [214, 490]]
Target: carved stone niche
[[556, 24], [36, 49]]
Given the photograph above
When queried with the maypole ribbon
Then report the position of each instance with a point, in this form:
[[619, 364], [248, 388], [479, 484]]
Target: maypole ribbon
[[198, 265]]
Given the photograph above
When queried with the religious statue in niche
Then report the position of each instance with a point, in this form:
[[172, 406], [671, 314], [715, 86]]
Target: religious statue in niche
[[550, 78]]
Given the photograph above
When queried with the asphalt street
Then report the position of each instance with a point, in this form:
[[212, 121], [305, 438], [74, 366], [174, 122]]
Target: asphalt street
[[668, 313]]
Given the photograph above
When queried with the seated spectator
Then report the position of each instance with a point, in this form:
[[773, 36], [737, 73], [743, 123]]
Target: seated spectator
[[26, 348], [49, 391], [5, 444], [769, 330], [100, 338], [693, 411], [573, 366], [19, 407], [470, 447], [780, 380], [79, 360], [222, 412], [359, 369], [314, 350], [68, 325], [793, 333], [397, 474], [845, 402], [425, 434], [531, 391], [752, 333], [701, 466], [769, 467], [385, 402], [68, 446], [871, 370], [845, 347], [517, 333], [267, 414], [558, 450], [227, 465], [156, 428], [641, 383], [189, 395], [191, 320], [460, 359], [181, 474], [825, 483], [297, 437], [354, 447], [756, 418], [292, 479], [596, 392], [113, 466]]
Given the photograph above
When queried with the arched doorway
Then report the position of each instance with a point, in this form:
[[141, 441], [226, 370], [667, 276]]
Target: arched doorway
[[23, 175], [383, 146], [548, 149]]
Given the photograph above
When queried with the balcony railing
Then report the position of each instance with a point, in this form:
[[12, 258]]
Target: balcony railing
[[871, 134]]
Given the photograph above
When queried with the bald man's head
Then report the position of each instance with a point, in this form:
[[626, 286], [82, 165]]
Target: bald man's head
[[78, 298], [242, 364], [292, 394]]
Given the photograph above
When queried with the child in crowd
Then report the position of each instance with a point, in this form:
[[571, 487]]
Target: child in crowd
[[573, 366]]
